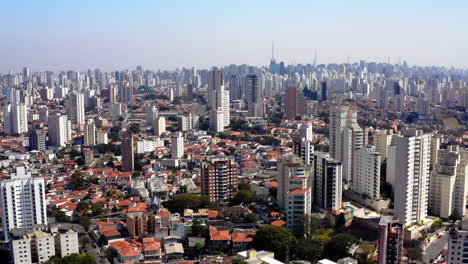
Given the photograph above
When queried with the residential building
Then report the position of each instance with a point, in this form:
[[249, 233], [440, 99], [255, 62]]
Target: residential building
[[90, 133], [328, 184], [76, 108], [367, 172], [159, 125], [128, 162], [59, 130], [140, 224], [412, 164], [22, 201], [390, 247], [291, 101], [15, 118], [219, 178], [382, 140], [37, 140], [115, 110], [177, 145], [448, 184]]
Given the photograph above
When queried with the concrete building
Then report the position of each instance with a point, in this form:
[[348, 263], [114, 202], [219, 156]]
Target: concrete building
[[37, 140], [115, 110], [328, 183], [411, 165], [15, 118], [218, 176], [367, 172], [382, 140], [448, 184], [151, 114], [59, 130], [291, 101], [159, 125], [76, 108], [291, 167], [177, 145], [144, 146], [90, 133], [128, 163], [390, 247], [67, 243], [22, 201], [140, 224], [457, 246]]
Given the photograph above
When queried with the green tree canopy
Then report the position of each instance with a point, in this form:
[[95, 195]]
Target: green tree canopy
[[277, 239], [243, 197], [309, 249], [182, 201], [339, 246]]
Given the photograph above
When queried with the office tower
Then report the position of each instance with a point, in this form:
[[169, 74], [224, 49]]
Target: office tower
[[382, 140], [159, 125], [367, 172], [90, 133], [411, 175], [177, 145], [37, 140], [25, 72], [15, 118], [235, 88], [140, 224], [328, 182], [115, 110], [253, 92], [75, 108], [391, 234], [291, 101], [345, 137], [59, 130], [457, 246], [218, 176], [127, 152], [184, 123], [448, 184], [22, 201], [126, 92], [189, 94]]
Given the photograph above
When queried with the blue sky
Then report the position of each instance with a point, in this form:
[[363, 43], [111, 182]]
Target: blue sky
[[61, 35]]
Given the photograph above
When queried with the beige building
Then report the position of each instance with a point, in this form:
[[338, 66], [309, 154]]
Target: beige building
[[382, 140], [159, 125]]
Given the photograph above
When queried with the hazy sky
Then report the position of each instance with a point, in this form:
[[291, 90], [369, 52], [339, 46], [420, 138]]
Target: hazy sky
[[62, 34]]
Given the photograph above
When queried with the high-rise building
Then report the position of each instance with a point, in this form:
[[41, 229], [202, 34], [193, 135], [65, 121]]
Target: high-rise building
[[159, 125], [59, 130], [306, 131], [177, 145], [219, 177], [151, 114], [291, 101], [76, 108], [37, 140], [15, 118], [253, 92], [184, 123], [391, 234], [115, 110], [215, 81], [411, 165], [127, 152], [126, 92], [304, 149], [345, 137], [140, 224], [448, 184], [218, 100], [328, 183], [90, 133], [382, 140], [367, 172], [189, 94], [235, 88], [457, 246], [22, 200], [294, 189]]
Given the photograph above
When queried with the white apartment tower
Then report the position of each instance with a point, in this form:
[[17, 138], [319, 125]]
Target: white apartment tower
[[159, 125], [177, 145], [457, 247], [22, 201], [218, 100], [291, 167], [448, 184], [382, 140], [367, 172], [75, 108], [412, 161], [115, 110], [15, 118], [59, 130]]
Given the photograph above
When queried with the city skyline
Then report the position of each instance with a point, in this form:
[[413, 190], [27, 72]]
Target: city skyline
[[160, 35]]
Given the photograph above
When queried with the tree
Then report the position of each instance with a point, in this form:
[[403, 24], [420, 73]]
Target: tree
[[182, 201], [74, 258], [251, 218], [82, 207], [455, 216], [77, 180], [85, 222], [134, 128], [277, 239], [309, 249], [97, 208], [243, 186], [238, 261], [339, 246], [61, 217], [306, 226], [414, 253], [243, 197]]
